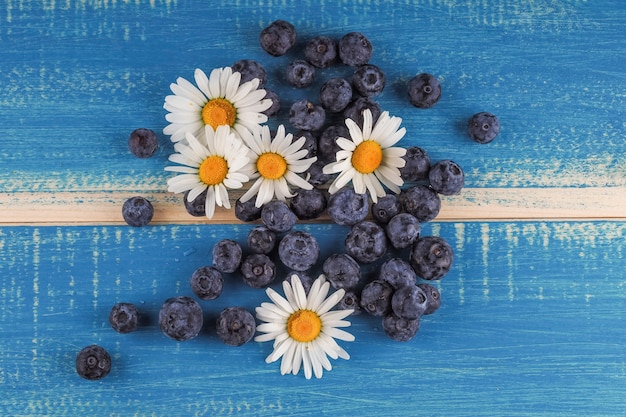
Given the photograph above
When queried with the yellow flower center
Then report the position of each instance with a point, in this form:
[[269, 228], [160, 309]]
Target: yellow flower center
[[219, 112], [213, 170], [271, 165], [304, 325], [367, 157]]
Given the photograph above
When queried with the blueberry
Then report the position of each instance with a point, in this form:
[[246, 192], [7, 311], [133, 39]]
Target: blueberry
[[355, 49], [258, 270], [316, 173], [327, 147], [399, 329], [124, 317], [368, 80], [298, 250], [376, 297], [207, 283], [446, 177], [366, 242], [308, 204], [397, 272], [342, 271], [385, 208], [180, 318], [275, 107], [355, 109], [433, 298], [409, 302], [305, 279], [196, 207], [247, 212], [321, 51], [335, 94], [227, 255], [300, 74], [235, 326], [483, 127], [93, 362], [402, 230], [417, 164], [261, 240], [431, 257], [306, 116], [310, 143], [278, 217], [277, 38], [424, 90], [137, 211], [346, 207], [421, 201], [249, 70], [350, 301], [143, 143]]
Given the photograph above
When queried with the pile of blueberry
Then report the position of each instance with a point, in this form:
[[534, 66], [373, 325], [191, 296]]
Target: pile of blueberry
[[386, 267]]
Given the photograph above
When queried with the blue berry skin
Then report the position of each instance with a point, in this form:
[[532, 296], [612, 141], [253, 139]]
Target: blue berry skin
[[397, 272], [278, 217], [258, 270], [342, 271], [446, 177], [300, 73], [355, 109], [350, 301], [124, 317], [227, 255], [366, 242], [196, 207], [368, 80], [277, 38], [306, 116], [346, 207], [207, 283], [399, 329], [335, 94], [424, 90], [327, 146], [137, 211], [308, 204], [355, 49], [247, 212], [235, 326], [421, 201], [249, 70], [483, 127], [409, 302], [298, 250], [305, 279], [143, 143], [180, 318], [417, 165], [385, 208], [321, 51], [93, 363], [402, 230], [376, 298], [275, 107], [316, 173], [310, 143], [261, 240], [431, 257], [433, 298]]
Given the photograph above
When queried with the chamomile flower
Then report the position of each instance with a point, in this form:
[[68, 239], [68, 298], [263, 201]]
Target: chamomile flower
[[303, 327], [213, 163], [217, 100], [369, 159], [275, 164]]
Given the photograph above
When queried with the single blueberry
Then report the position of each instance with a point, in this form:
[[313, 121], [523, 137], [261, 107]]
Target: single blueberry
[[277, 38], [397, 272], [417, 164], [350, 301], [327, 146], [433, 298], [180, 318], [93, 362], [247, 212], [424, 90], [310, 143], [483, 127], [306, 116], [143, 143], [368, 80], [376, 297], [421, 201], [300, 73], [227, 255], [196, 207], [355, 110], [261, 240], [258, 270], [207, 283], [249, 70], [385, 208], [446, 177], [355, 49], [235, 326], [124, 317], [335, 94], [275, 107], [298, 250], [278, 217], [317, 175], [137, 211], [308, 204], [346, 207], [399, 329], [321, 51], [409, 302], [402, 230], [366, 242], [342, 271], [431, 257]]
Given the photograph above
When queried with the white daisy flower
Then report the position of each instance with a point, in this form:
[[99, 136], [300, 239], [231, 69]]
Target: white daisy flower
[[303, 327], [213, 163], [216, 101], [369, 158], [275, 163]]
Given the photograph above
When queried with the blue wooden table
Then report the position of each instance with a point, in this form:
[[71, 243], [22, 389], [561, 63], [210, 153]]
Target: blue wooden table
[[533, 314]]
